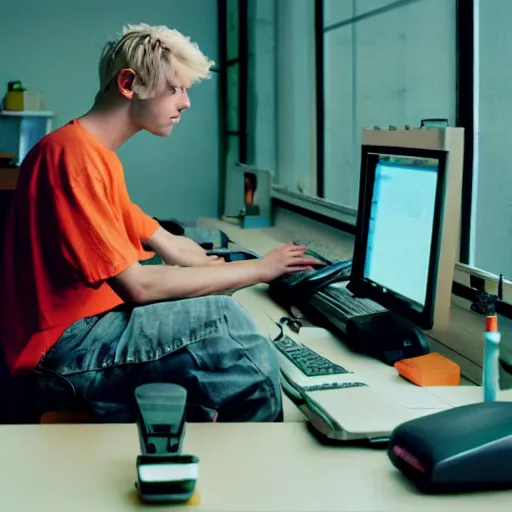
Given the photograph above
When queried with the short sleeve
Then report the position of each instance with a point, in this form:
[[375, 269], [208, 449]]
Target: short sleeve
[[93, 236], [145, 225]]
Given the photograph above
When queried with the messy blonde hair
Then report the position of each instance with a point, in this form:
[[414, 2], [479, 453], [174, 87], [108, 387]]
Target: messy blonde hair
[[156, 54]]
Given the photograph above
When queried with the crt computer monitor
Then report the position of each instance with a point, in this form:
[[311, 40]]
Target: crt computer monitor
[[399, 230]]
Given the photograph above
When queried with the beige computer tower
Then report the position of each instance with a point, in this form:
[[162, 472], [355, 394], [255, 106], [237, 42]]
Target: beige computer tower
[[450, 140]]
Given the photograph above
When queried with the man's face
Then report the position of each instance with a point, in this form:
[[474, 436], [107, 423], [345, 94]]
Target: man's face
[[159, 114]]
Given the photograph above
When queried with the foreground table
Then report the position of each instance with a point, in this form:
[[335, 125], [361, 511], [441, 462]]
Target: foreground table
[[244, 467]]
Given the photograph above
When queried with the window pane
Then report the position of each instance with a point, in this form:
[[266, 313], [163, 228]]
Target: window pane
[[340, 183], [261, 94], [233, 151], [365, 6], [395, 68], [295, 103], [492, 225], [232, 29], [337, 10]]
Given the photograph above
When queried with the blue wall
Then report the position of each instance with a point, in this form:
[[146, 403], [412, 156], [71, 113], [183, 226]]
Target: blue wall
[[55, 46]]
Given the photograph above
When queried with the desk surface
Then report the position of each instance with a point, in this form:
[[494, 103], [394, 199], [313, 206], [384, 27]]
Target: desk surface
[[243, 467], [462, 342]]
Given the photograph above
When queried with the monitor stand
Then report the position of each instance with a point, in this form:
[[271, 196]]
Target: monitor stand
[[386, 336]]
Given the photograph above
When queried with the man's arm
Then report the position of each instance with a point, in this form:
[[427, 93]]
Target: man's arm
[[144, 284], [178, 250], [174, 250]]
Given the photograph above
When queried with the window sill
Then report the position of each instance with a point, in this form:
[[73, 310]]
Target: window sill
[[345, 219], [316, 206]]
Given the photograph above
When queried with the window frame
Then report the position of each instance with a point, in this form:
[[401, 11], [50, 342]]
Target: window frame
[[467, 279], [465, 114], [337, 214], [465, 97], [222, 70]]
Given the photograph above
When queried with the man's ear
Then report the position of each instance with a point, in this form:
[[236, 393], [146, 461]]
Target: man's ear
[[125, 80]]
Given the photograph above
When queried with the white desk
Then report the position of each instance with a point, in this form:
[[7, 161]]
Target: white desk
[[243, 467], [462, 342]]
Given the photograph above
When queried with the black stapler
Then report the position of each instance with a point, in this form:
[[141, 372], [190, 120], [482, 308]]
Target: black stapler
[[164, 474]]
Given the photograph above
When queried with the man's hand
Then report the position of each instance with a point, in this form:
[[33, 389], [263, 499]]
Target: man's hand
[[215, 260], [143, 284], [283, 260]]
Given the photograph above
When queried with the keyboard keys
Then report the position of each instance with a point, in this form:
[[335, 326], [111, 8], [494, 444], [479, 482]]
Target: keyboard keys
[[333, 385], [306, 360], [296, 277], [347, 304]]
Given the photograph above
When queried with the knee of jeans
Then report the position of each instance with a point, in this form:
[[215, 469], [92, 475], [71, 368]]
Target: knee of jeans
[[275, 400], [265, 359], [238, 317], [256, 347]]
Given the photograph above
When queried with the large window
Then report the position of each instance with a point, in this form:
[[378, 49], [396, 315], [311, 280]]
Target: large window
[[491, 222], [307, 76], [281, 91], [384, 63], [322, 70]]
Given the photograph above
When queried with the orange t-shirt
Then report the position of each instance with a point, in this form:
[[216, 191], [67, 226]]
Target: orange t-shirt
[[70, 227]]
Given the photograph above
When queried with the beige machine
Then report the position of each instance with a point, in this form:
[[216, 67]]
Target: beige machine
[[451, 141], [405, 253]]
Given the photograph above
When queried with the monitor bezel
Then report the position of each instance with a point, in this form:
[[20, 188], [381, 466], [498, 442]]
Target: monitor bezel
[[364, 287]]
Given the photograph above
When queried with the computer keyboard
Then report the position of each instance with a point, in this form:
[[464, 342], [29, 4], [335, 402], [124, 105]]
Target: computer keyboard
[[310, 253], [306, 360], [346, 304], [309, 371], [327, 251], [333, 385], [293, 278]]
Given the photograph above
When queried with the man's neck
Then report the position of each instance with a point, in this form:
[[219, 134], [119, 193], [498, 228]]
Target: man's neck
[[111, 126]]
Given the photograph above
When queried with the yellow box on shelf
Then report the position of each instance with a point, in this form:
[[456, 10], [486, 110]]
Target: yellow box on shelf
[[23, 100]]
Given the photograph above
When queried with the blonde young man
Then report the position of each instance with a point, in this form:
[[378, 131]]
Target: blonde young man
[[79, 312]]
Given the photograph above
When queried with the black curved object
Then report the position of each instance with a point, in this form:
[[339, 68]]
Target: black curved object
[[294, 290], [463, 449], [319, 279]]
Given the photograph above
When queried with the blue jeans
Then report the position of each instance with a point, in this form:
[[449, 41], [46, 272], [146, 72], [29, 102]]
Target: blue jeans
[[208, 345]]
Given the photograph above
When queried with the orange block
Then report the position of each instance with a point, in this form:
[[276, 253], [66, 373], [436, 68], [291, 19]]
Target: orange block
[[429, 370]]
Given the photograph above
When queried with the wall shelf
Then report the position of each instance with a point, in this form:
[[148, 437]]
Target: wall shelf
[[21, 129], [27, 113]]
